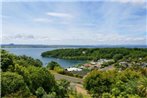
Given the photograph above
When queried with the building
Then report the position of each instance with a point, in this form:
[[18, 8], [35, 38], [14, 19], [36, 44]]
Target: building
[[73, 69], [124, 64], [101, 61], [92, 62], [144, 64], [87, 65]]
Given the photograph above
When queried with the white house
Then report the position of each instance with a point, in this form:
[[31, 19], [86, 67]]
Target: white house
[[73, 69], [124, 64], [101, 61], [92, 62]]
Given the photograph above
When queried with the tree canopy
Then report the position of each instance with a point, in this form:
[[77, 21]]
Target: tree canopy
[[109, 84], [96, 53], [24, 77]]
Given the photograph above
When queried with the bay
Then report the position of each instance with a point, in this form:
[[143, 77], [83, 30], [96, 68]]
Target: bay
[[36, 53]]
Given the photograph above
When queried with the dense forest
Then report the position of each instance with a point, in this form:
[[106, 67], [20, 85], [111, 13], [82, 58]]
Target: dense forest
[[128, 83], [24, 77], [97, 53]]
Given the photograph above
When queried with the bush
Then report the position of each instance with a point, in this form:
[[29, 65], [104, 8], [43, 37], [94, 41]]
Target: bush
[[59, 70], [62, 88], [28, 61], [50, 95], [41, 77], [119, 84], [107, 95], [107, 64], [117, 57], [6, 60], [51, 65], [13, 83], [40, 92], [68, 73], [97, 82], [24, 72]]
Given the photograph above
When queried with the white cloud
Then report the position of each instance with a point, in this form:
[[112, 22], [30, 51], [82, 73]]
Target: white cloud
[[73, 38], [115, 38], [79, 24], [95, 38], [18, 36], [58, 14]]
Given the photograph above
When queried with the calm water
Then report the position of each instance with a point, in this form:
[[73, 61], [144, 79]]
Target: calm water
[[36, 53]]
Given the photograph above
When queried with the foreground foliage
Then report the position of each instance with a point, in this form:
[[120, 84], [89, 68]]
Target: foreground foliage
[[55, 66], [13, 82], [129, 83], [25, 77]]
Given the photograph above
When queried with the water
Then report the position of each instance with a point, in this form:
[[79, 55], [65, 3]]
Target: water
[[36, 53]]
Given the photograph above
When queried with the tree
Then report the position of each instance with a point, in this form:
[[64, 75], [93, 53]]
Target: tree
[[27, 78], [62, 88], [97, 82], [95, 53], [117, 57], [142, 87], [59, 69], [107, 95], [6, 60], [13, 83], [118, 84], [24, 72], [51, 65], [40, 92], [41, 77], [28, 61]]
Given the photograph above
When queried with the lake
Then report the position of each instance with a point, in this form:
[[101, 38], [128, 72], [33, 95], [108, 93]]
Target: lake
[[36, 53]]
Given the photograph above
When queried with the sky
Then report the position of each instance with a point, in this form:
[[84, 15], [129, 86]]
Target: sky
[[72, 22]]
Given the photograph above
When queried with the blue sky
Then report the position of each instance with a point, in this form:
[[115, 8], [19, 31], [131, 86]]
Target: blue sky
[[74, 22]]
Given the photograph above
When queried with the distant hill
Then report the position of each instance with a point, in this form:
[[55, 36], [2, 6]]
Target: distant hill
[[69, 46]]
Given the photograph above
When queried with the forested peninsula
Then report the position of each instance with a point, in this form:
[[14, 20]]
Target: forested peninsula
[[97, 53]]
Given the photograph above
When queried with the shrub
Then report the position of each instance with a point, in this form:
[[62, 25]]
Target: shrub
[[13, 83], [59, 70], [41, 77], [6, 60], [40, 92], [119, 84], [51, 65], [117, 57]]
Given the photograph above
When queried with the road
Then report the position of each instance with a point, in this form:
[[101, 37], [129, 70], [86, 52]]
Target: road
[[75, 83], [69, 78]]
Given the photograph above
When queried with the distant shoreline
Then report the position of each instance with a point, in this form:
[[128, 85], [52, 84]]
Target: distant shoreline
[[70, 46]]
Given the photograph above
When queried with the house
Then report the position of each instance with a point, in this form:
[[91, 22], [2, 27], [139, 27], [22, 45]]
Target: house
[[144, 64], [82, 67], [98, 65], [124, 64], [73, 69], [87, 65], [101, 61], [93, 67], [92, 62]]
